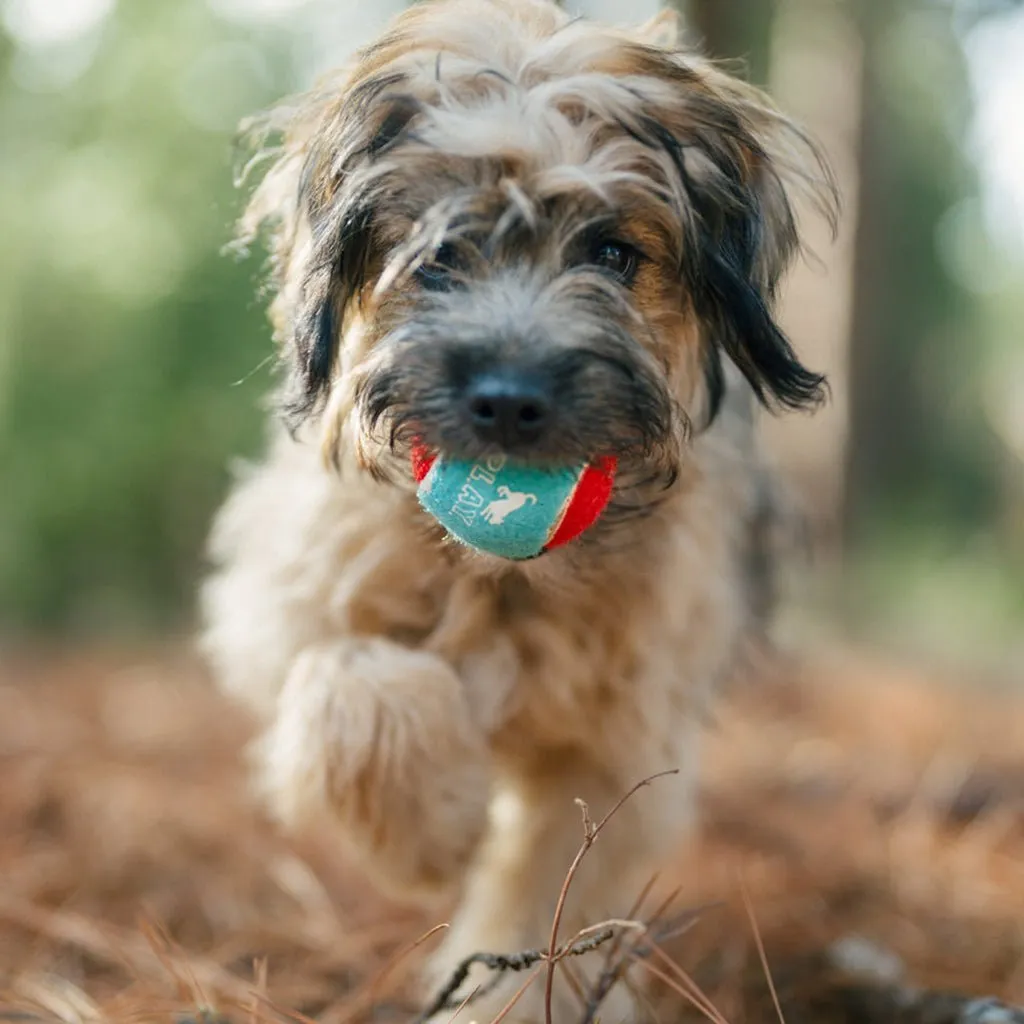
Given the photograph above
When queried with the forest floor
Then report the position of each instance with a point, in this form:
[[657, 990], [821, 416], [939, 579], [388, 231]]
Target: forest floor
[[862, 820]]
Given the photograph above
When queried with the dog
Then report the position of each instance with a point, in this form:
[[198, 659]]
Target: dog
[[591, 223]]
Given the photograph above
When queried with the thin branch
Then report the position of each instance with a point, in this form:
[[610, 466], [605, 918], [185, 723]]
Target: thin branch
[[502, 962], [613, 924], [368, 993], [615, 968], [515, 999], [748, 906], [614, 965], [686, 987], [117, 946], [698, 994], [586, 940], [465, 1002], [590, 833], [260, 978], [163, 946]]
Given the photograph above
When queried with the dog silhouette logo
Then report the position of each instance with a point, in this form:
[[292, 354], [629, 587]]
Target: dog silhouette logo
[[510, 501]]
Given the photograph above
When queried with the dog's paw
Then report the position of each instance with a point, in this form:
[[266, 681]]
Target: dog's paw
[[382, 736]]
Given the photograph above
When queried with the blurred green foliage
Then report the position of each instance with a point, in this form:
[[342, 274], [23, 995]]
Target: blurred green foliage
[[124, 332]]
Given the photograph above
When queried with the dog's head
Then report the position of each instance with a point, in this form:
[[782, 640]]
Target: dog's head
[[506, 228]]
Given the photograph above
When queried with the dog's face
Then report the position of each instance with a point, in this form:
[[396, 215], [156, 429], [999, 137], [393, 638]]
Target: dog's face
[[506, 229]]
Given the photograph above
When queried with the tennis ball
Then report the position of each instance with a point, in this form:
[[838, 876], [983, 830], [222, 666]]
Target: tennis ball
[[509, 509]]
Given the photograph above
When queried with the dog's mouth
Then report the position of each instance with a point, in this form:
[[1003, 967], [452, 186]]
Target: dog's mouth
[[411, 438], [422, 404], [422, 458], [543, 409]]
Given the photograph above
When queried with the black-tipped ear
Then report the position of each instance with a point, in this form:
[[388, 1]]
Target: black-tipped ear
[[732, 152], [734, 298], [340, 204], [321, 351], [315, 347], [339, 270]]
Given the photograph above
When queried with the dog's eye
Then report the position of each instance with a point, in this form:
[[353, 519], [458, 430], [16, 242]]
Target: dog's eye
[[618, 259], [435, 275]]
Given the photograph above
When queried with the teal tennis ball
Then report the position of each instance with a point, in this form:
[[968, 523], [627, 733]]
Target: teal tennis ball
[[511, 509]]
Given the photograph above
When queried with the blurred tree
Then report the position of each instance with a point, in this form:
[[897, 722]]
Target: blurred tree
[[919, 456], [919, 451]]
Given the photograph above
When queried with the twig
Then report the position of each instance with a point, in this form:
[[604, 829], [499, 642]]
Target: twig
[[615, 968], [367, 995], [684, 986], [283, 1012], [618, 925], [515, 998], [114, 945], [586, 940], [748, 906], [502, 962], [465, 1002], [260, 975], [682, 923], [163, 947], [590, 833], [693, 991], [614, 965]]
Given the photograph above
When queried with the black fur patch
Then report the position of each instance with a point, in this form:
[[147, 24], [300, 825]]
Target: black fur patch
[[401, 111], [733, 265], [341, 215], [321, 353]]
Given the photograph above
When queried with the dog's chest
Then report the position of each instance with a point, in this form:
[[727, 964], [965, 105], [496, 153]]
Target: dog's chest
[[546, 669]]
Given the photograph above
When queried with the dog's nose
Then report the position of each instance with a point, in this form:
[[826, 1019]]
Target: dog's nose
[[508, 407]]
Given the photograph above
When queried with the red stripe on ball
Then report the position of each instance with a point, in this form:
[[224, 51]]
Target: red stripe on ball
[[422, 460], [587, 502]]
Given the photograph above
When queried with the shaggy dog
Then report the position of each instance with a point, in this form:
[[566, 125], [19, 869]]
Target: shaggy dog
[[593, 221]]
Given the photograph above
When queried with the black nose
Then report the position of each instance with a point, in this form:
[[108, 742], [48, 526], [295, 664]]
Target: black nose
[[510, 408]]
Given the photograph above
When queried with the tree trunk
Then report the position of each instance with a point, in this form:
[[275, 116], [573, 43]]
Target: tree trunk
[[868, 419]]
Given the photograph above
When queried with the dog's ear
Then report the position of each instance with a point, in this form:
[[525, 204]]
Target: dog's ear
[[746, 237], [319, 200], [748, 164], [739, 164]]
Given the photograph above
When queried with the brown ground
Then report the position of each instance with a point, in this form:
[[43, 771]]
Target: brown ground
[[853, 800]]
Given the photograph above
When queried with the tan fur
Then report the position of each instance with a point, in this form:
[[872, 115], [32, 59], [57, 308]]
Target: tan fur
[[448, 707]]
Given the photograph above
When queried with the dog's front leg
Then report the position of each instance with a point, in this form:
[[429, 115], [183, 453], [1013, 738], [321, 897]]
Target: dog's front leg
[[382, 736], [514, 885]]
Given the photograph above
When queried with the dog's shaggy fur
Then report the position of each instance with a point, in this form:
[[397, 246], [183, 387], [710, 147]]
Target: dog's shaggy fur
[[494, 185]]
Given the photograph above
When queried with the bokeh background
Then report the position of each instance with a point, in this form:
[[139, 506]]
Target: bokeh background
[[134, 355]]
